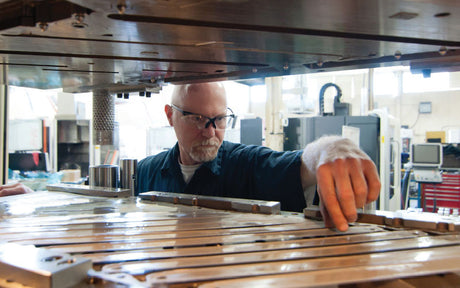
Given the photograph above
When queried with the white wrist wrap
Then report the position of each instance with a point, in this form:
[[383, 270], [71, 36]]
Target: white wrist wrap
[[328, 149]]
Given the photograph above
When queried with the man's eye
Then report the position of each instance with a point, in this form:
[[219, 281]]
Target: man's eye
[[196, 118]]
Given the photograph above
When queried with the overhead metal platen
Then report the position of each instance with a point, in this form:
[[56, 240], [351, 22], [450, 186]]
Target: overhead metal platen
[[113, 45]]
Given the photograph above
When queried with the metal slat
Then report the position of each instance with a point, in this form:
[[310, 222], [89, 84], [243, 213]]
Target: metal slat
[[126, 221], [295, 254], [216, 240], [148, 231], [123, 237], [412, 263], [229, 248], [316, 266]]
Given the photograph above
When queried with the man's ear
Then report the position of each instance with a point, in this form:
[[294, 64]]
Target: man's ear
[[169, 112]]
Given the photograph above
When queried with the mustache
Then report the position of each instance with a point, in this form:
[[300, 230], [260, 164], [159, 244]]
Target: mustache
[[208, 142]]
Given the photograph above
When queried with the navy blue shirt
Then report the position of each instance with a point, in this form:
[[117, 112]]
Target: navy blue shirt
[[238, 171]]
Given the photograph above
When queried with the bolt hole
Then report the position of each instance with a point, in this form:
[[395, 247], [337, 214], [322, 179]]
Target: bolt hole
[[52, 258], [443, 14]]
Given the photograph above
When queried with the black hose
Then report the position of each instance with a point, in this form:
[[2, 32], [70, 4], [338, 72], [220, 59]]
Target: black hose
[[321, 96]]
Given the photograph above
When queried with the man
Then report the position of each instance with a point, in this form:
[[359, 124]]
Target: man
[[202, 163]]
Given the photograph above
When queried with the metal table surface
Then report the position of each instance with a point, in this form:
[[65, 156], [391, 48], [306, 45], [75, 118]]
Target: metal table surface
[[59, 239]]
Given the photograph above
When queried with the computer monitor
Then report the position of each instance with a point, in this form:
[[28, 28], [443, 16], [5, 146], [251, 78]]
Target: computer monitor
[[29, 161], [426, 155]]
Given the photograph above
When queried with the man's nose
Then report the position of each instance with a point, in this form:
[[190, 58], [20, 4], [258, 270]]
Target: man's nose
[[209, 131]]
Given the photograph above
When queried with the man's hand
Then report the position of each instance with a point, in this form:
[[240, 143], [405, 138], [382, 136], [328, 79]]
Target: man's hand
[[343, 186], [345, 176], [14, 189]]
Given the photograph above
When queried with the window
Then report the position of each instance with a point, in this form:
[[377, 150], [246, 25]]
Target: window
[[416, 83], [386, 81]]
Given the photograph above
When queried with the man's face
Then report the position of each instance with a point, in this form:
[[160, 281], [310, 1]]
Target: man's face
[[198, 145]]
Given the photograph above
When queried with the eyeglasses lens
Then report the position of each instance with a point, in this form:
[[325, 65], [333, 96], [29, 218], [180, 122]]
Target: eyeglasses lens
[[201, 122]]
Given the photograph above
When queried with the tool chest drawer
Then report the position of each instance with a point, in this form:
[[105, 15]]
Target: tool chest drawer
[[445, 194]]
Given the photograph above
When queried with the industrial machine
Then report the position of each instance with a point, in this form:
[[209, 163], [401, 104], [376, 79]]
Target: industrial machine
[[113, 48], [377, 134]]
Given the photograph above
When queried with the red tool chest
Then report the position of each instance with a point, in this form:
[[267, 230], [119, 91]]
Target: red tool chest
[[441, 195]]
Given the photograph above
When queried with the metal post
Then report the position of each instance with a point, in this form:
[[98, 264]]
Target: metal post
[[370, 90], [103, 125], [3, 124], [273, 114]]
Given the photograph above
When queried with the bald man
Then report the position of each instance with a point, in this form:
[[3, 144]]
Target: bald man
[[202, 163]]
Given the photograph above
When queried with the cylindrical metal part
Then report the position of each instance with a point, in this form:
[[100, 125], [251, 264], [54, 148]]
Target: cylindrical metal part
[[128, 168], [103, 117], [104, 176], [93, 176]]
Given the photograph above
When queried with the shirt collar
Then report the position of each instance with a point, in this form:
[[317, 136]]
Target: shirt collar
[[171, 163]]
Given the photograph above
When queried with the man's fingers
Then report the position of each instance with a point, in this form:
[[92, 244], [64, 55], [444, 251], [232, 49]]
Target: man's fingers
[[345, 185], [358, 182], [328, 196], [326, 218], [344, 189], [372, 180]]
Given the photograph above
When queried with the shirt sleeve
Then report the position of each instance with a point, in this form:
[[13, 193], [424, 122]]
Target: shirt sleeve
[[263, 174]]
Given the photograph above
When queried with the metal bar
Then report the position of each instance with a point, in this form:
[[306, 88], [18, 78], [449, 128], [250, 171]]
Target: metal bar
[[90, 190], [221, 203], [401, 219]]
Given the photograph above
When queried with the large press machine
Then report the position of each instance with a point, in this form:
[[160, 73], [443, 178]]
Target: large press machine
[[69, 237]]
